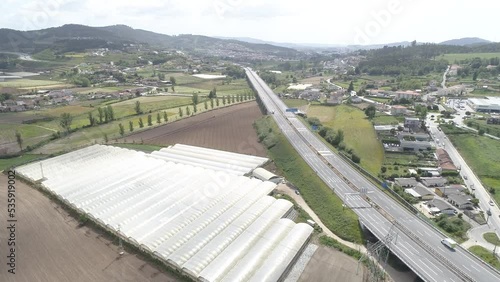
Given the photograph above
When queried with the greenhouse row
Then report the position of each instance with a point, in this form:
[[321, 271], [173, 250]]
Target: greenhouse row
[[212, 224]]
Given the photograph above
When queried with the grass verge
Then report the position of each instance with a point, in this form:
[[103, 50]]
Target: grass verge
[[485, 255], [139, 147], [491, 237], [315, 192], [17, 161]]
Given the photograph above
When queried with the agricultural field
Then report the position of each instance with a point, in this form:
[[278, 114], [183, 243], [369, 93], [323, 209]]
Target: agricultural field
[[481, 153], [229, 129], [295, 103], [51, 245], [358, 132], [26, 83], [20, 160], [463, 56]]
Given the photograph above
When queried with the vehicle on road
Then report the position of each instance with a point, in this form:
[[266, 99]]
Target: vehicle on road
[[488, 212], [450, 243], [491, 203], [297, 192]]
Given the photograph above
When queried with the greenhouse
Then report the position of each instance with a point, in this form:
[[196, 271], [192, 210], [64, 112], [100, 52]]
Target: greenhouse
[[198, 216]]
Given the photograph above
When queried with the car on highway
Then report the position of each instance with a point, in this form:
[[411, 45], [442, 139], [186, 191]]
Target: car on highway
[[465, 177], [491, 203]]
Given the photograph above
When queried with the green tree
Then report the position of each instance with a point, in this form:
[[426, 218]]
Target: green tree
[[223, 100], [65, 122], [110, 113], [211, 103], [195, 99], [150, 120], [188, 112], [158, 118], [19, 140], [370, 111], [165, 116], [481, 132], [141, 123], [205, 105], [474, 76], [138, 107], [106, 138], [131, 126], [91, 119], [100, 113], [121, 130], [350, 88], [173, 81], [213, 93], [180, 112], [233, 100], [173, 88], [195, 108]]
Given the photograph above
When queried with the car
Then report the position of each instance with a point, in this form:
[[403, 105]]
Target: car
[[488, 212], [297, 192], [465, 177], [491, 203]]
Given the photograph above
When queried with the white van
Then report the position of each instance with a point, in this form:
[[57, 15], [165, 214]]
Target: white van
[[450, 243]]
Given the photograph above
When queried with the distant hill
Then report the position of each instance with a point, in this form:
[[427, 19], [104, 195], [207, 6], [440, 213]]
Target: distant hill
[[76, 38], [465, 41]]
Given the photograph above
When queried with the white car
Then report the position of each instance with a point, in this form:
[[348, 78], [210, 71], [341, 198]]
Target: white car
[[491, 203]]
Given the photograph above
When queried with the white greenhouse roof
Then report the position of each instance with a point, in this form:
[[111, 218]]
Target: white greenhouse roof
[[211, 224], [263, 174], [233, 163]]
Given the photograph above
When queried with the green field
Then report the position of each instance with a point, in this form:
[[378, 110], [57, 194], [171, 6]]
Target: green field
[[481, 153], [294, 103], [29, 83], [17, 161], [316, 193], [485, 255], [463, 56], [492, 238], [381, 119], [358, 132]]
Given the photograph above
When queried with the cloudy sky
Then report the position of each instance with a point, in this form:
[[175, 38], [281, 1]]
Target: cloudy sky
[[305, 21]]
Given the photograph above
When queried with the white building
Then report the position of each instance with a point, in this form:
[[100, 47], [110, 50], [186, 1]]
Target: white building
[[487, 105]]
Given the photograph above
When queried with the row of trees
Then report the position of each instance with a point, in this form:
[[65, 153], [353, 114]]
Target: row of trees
[[334, 137]]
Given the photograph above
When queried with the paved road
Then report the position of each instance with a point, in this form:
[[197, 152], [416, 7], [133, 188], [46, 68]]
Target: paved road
[[417, 244]]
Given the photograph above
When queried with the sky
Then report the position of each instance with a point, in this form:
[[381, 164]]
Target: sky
[[290, 21]]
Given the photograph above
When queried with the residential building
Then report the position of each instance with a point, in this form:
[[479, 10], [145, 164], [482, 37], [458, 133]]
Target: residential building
[[420, 192], [406, 182], [433, 181], [444, 160], [412, 123], [398, 110], [408, 95], [448, 190], [438, 206], [461, 201]]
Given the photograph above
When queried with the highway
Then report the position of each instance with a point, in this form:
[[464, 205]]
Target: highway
[[417, 244]]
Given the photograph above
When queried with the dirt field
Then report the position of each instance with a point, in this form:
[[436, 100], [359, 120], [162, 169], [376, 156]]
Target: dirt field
[[331, 265], [230, 129], [51, 247]]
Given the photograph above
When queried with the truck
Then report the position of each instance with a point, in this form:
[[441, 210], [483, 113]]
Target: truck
[[448, 242]]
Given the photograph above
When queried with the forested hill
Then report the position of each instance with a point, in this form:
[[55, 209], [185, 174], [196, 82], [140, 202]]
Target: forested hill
[[414, 60]]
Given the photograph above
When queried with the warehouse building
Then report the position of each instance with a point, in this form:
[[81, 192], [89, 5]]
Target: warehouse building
[[487, 105], [190, 207]]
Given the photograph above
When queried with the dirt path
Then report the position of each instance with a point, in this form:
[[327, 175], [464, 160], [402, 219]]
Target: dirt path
[[283, 188]]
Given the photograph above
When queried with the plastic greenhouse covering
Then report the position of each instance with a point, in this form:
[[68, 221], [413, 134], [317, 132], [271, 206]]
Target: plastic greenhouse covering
[[189, 206]]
